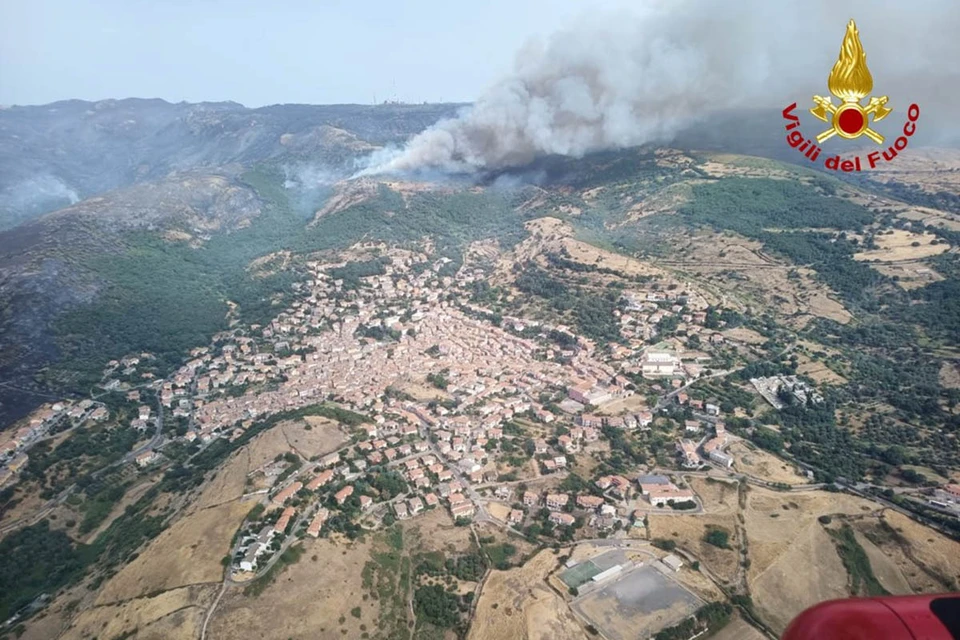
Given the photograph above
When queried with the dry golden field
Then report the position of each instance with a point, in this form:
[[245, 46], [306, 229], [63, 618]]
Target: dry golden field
[[896, 245], [307, 600], [188, 552], [747, 276], [688, 533], [177, 613], [950, 375], [738, 629], [518, 604], [766, 466], [323, 436]]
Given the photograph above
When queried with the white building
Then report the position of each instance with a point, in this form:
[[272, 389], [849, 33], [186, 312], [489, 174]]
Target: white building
[[660, 363], [249, 562], [608, 573], [721, 458]]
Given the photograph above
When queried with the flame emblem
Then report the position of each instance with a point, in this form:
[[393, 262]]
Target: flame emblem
[[850, 81]]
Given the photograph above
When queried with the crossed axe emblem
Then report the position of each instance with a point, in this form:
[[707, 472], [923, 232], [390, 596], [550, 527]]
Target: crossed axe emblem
[[827, 111]]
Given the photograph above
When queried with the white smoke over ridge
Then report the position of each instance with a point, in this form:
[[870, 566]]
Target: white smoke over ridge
[[622, 80], [308, 176], [33, 196]]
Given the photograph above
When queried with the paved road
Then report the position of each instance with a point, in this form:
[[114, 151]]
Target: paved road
[[719, 471], [47, 508], [157, 435], [895, 507], [48, 432], [481, 514], [665, 400], [53, 503]]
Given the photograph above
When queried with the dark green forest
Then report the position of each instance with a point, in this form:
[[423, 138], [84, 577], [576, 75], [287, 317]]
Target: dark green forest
[[591, 312]]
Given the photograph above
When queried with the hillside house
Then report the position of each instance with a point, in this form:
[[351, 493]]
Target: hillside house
[[342, 495]]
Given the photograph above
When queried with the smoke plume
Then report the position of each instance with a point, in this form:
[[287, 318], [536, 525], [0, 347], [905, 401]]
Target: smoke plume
[[34, 196], [626, 79]]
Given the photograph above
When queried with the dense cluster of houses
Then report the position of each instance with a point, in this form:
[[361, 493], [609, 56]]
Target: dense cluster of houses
[[491, 371], [317, 348], [602, 512]]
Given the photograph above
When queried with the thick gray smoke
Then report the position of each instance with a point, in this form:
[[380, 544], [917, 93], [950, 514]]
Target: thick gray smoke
[[626, 79]]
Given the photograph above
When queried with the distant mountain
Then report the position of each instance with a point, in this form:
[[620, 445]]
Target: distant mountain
[[57, 154]]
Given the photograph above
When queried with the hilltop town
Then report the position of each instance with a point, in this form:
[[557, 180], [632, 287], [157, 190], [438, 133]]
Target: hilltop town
[[510, 403], [409, 437]]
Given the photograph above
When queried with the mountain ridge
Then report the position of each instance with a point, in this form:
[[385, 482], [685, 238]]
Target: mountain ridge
[[58, 154]]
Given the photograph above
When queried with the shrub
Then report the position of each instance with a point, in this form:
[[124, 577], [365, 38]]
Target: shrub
[[718, 537], [665, 544]]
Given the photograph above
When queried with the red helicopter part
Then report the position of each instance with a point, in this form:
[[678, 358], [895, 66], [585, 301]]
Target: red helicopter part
[[935, 617]]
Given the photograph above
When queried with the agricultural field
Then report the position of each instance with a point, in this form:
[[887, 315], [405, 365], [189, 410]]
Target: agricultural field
[[818, 370], [744, 335], [750, 276], [738, 629], [950, 375], [910, 274]]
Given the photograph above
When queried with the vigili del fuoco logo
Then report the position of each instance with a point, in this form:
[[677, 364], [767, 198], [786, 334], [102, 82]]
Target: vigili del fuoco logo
[[850, 81]]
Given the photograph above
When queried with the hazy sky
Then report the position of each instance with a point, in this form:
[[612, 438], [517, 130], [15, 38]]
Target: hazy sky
[[264, 52]]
